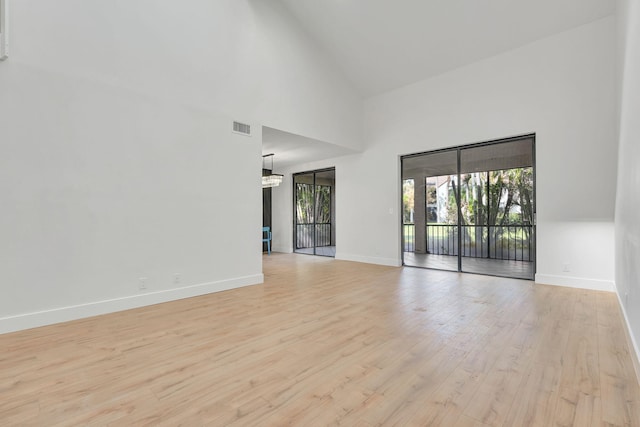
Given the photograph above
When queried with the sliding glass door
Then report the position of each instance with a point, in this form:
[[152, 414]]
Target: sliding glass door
[[471, 208], [314, 212]]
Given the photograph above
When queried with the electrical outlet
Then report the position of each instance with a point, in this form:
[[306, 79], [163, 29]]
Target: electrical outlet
[[176, 279], [565, 267], [142, 283]]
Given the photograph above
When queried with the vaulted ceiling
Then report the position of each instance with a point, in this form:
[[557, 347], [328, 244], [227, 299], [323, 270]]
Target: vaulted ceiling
[[381, 45], [385, 44]]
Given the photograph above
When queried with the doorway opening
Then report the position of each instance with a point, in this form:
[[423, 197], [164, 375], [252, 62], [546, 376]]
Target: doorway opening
[[314, 230], [471, 208]]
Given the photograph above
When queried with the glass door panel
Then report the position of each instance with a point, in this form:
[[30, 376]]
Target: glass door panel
[[324, 213], [430, 213], [304, 205], [496, 207]]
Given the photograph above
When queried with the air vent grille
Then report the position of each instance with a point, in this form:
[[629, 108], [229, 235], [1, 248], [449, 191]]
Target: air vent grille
[[242, 128]]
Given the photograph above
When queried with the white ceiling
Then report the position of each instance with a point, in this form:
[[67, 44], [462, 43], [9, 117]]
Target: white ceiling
[[385, 44], [290, 149], [381, 45]]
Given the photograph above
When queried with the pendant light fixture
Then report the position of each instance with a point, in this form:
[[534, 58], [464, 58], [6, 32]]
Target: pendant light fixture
[[270, 179]]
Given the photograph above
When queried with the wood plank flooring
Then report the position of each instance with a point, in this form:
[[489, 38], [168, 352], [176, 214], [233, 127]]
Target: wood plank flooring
[[326, 342]]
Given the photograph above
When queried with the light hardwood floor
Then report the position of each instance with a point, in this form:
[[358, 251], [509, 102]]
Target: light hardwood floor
[[326, 342]]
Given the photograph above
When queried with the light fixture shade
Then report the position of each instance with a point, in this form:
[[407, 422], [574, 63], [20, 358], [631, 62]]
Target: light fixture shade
[[272, 180]]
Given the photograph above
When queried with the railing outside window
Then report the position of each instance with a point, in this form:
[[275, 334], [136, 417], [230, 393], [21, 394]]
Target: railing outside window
[[304, 236], [508, 242]]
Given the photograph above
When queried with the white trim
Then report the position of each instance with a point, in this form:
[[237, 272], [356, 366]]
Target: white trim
[[392, 262], [64, 314], [576, 282], [631, 339]]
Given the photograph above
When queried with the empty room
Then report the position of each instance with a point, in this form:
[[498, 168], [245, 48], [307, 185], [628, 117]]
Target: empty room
[[447, 193]]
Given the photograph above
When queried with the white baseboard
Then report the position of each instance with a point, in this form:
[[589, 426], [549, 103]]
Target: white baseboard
[[64, 314], [633, 345], [282, 249], [576, 282], [392, 262]]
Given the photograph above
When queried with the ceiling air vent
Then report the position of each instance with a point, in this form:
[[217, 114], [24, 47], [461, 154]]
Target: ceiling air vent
[[242, 128]]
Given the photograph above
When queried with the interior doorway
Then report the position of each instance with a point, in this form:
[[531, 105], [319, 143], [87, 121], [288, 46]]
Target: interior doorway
[[471, 208], [314, 230]]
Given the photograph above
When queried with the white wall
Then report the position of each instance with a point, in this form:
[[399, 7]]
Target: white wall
[[300, 90], [345, 192], [627, 230], [562, 88], [117, 158]]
